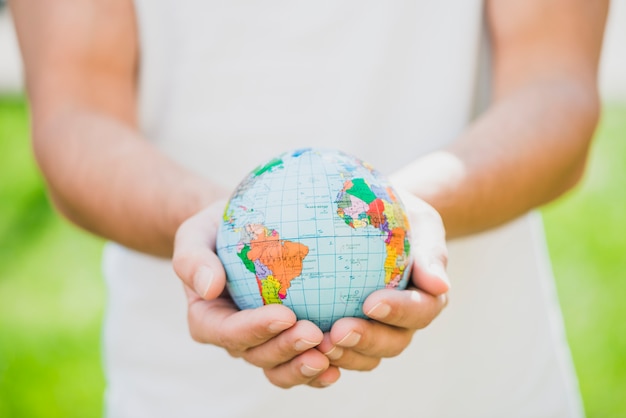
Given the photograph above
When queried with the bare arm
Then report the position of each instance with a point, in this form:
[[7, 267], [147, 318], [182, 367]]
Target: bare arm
[[531, 145], [81, 64], [81, 61]]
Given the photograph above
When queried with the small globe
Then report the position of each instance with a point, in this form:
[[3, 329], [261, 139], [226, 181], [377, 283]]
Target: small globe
[[316, 230]]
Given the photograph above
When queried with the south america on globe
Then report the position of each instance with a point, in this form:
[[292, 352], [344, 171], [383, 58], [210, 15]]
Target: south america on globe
[[317, 230]]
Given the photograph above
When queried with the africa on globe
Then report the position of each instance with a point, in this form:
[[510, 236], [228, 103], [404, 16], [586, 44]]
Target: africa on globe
[[316, 230]]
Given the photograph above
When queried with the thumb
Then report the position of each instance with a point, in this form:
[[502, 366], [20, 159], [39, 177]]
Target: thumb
[[428, 243], [194, 259], [429, 273]]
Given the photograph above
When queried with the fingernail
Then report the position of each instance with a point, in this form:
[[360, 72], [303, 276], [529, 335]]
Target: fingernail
[[202, 280], [350, 340], [438, 270], [334, 353], [379, 311], [309, 371], [278, 326], [302, 345]]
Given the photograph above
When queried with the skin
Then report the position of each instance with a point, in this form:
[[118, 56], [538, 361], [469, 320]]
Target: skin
[[529, 147]]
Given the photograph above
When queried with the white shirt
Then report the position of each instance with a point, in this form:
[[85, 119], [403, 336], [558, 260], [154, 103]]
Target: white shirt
[[225, 85]]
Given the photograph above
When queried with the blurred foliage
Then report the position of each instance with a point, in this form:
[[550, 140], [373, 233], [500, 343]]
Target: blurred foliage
[[586, 233], [51, 292], [52, 295]]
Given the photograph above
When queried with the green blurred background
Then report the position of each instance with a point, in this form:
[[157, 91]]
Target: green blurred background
[[52, 295]]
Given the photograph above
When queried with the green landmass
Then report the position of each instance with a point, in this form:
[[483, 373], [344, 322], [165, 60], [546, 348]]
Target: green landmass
[[361, 190], [243, 255], [276, 162]]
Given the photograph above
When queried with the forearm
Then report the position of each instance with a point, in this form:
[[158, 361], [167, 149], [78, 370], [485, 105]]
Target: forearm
[[527, 149], [106, 178]]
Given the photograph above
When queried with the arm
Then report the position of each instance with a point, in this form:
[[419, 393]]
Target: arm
[[527, 149], [81, 64], [531, 145]]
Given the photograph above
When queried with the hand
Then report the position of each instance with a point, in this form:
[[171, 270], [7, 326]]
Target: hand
[[269, 337], [360, 344]]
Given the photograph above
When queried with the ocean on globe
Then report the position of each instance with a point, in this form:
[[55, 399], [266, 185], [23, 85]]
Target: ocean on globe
[[316, 230]]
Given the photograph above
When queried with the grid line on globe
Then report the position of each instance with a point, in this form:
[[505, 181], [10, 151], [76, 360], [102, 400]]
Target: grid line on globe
[[316, 230]]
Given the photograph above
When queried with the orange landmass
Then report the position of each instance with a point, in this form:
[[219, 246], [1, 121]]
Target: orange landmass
[[283, 258], [395, 247]]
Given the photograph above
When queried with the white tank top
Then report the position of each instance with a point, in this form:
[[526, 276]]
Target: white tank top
[[226, 85]]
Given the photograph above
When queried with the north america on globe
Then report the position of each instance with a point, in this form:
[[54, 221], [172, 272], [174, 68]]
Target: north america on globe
[[315, 230]]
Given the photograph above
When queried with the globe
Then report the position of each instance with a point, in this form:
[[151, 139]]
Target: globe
[[317, 230]]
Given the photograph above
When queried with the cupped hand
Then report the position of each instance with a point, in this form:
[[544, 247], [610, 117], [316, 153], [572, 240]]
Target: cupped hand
[[268, 337], [360, 344]]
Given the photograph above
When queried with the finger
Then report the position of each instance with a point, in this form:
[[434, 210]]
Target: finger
[[345, 357], [194, 259], [411, 308], [329, 349], [326, 378], [220, 323], [352, 360], [303, 369], [371, 339], [297, 339]]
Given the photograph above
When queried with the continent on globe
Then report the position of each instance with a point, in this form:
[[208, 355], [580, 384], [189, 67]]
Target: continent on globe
[[360, 206], [316, 230], [275, 262]]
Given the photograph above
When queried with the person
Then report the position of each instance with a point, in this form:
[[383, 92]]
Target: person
[[147, 114]]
